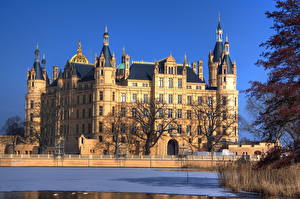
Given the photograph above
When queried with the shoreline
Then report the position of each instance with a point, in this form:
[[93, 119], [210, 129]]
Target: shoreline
[[109, 195]]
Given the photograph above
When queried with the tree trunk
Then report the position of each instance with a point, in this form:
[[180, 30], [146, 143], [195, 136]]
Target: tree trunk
[[147, 147]]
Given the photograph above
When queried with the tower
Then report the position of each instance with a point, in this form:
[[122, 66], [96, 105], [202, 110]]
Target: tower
[[126, 63], [106, 63], [36, 85], [226, 90], [215, 56]]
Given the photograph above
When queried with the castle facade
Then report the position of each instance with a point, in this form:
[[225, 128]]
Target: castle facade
[[74, 110]]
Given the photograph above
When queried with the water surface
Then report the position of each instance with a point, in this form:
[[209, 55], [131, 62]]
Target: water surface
[[48, 182]]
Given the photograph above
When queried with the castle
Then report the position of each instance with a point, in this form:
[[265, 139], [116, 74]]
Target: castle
[[70, 111]]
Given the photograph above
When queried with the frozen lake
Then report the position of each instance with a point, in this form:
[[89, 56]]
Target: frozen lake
[[137, 180]]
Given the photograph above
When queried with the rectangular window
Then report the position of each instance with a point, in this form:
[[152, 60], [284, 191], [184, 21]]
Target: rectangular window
[[209, 101], [200, 100], [179, 83], [199, 130], [179, 99], [133, 112], [89, 128], [77, 129], [100, 127], [123, 112], [188, 129], [100, 110], [83, 99], [113, 96], [224, 101], [134, 84], [170, 113], [224, 130], [31, 104], [224, 115], [189, 100], [77, 113], [188, 114], [161, 113], [179, 128], [90, 112], [90, 98], [101, 96], [170, 82], [134, 97], [161, 82], [170, 128], [146, 98], [170, 99], [83, 113], [145, 85], [82, 128], [113, 110], [123, 97], [179, 113], [161, 98]]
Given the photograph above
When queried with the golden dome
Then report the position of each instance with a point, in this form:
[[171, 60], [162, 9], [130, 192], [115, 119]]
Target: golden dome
[[79, 57]]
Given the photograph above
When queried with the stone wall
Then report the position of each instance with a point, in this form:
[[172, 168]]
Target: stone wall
[[50, 161]]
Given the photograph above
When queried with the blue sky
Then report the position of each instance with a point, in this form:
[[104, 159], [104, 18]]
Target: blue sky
[[149, 30]]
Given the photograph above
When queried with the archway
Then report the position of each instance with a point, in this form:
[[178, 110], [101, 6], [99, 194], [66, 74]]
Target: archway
[[172, 147]]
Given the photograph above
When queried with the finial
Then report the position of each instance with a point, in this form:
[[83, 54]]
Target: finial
[[44, 59], [37, 52], [106, 29], [123, 51], [79, 49], [184, 60], [226, 39], [170, 54], [219, 17]]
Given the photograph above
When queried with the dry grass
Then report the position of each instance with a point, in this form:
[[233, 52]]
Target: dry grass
[[268, 182]]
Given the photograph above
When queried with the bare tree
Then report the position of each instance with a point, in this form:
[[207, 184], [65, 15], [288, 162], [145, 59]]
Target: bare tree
[[14, 128], [215, 120], [51, 132], [151, 121]]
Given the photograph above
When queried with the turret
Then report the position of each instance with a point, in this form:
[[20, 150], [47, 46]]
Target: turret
[[54, 73], [226, 71], [200, 69], [36, 85], [125, 63]]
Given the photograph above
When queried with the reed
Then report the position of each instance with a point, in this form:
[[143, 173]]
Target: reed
[[266, 181]]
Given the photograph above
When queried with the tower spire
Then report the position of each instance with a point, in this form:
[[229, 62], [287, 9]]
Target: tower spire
[[219, 30], [37, 53], [105, 37], [226, 46], [184, 60]]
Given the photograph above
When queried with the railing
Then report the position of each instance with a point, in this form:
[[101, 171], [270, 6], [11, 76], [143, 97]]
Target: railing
[[127, 157]]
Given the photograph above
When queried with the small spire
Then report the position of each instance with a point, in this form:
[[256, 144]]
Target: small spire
[[44, 60], [105, 37], [184, 60], [226, 39], [123, 51], [37, 53], [219, 30]]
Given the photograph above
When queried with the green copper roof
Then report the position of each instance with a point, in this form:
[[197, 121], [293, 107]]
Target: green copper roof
[[120, 66]]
